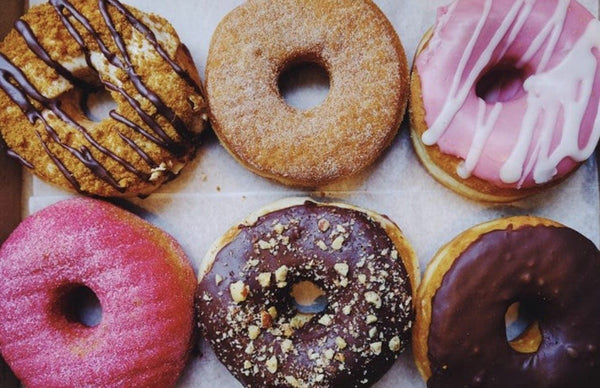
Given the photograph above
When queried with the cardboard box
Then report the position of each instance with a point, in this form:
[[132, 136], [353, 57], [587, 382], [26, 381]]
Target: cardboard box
[[226, 198]]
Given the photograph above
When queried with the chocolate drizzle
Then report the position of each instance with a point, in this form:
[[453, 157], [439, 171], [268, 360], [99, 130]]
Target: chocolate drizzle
[[554, 271], [34, 45], [14, 82]]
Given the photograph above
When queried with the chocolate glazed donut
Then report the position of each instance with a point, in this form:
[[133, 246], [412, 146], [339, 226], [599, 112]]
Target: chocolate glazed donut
[[360, 260], [460, 335]]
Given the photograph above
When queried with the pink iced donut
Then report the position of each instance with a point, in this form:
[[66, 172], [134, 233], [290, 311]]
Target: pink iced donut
[[140, 276], [505, 95]]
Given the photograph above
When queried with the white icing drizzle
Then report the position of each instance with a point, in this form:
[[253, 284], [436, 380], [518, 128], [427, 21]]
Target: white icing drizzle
[[566, 89], [457, 96], [553, 28], [484, 129]]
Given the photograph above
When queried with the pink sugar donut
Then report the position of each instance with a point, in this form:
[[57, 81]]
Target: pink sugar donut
[[505, 95], [140, 275]]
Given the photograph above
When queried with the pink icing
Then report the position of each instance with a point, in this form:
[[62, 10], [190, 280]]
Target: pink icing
[[438, 63], [141, 276]]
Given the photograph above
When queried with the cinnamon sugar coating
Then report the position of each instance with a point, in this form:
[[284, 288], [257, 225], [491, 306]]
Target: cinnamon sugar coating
[[343, 135]]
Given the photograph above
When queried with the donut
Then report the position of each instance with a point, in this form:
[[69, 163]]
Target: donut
[[359, 260], [368, 78], [460, 339], [505, 94], [84, 249], [61, 53]]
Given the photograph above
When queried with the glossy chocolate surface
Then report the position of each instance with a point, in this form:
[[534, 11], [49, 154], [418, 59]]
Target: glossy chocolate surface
[[555, 272], [261, 339]]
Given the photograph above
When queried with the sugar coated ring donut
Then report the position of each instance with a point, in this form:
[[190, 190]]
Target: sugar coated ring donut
[[460, 337], [353, 41], [359, 259], [61, 52], [140, 275], [505, 95]]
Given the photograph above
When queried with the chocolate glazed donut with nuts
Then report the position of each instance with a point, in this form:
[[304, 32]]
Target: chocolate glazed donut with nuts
[[460, 336], [361, 262]]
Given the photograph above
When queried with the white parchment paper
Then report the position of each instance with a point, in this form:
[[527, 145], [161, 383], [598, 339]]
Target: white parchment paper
[[214, 192]]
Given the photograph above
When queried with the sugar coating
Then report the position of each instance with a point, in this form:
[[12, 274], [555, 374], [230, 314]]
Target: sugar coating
[[361, 114], [141, 276]]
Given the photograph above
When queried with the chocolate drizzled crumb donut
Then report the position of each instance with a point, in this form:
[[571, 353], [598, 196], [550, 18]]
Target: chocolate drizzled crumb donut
[[61, 52], [361, 262]]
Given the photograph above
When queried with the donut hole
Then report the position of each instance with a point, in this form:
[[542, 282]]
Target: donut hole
[[79, 304], [97, 105], [522, 328], [87, 106], [304, 83], [308, 298], [501, 83]]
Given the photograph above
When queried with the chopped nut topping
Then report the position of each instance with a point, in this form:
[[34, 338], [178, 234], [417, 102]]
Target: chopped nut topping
[[372, 332], [264, 279], [339, 341], [266, 320], [287, 330], [376, 347], [341, 268], [337, 243], [299, 320], [249, 348], [344, 282], [340, 357], [262, 244], [291, 380], [278, 228], [362, 278], [321, 245], [394, 254], [347, 310], [340, 229], [239, 291], [273, 312], [281, 274], [272, 364], [326, 320], [371, 319], [218, 279], [286, 345], [373, 298], [385, 252], [395, 344], [253, 331], [323, 225], [253, 262], [329, 353], [247, 364]]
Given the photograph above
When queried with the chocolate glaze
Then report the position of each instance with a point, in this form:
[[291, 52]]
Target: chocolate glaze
[[21, 91], [555, 272], [291, 237]]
